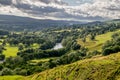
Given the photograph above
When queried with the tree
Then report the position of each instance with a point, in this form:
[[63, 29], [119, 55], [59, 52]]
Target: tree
[[75, 46], [4, 43], [2, 57], [1, 67], [20, 47], [107, 51], [51, 64], [84, 39], [92, 37], [1, 49], [23, 72]]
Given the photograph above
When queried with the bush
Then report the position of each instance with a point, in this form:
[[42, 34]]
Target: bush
[[1, 67], [107, 51], [111, 50], [6, 71], [76, 46], [17, 71], [23, 72]]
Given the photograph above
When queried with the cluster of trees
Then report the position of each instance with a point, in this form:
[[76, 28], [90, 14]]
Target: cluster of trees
[[47, 45], [112, 46], [20, 66], [26, 39], [2, 56], [3, 32], [66, 59], [30, 54], [71, 44]]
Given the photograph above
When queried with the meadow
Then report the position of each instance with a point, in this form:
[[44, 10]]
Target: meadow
[[10, 51], [98, 42]]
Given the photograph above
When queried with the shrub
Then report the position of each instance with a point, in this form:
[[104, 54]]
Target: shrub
[[6, 71], [23, 72]]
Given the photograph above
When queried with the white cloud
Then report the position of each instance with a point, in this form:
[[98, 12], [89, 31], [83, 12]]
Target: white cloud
[[57, 9]]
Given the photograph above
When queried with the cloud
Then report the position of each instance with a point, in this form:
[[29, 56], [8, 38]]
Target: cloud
[[6, 2], [59, 10]]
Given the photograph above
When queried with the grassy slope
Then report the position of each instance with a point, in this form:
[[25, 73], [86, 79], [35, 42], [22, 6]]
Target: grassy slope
[[97, 44], [99, 68]]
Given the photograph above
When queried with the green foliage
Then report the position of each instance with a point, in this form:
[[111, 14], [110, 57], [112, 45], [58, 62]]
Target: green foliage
[[99, 68], [2, 57], [1, 67], [71, 44], [1, 49], [112, 46], [23, 72], [20, 47], [3, 32], [38, 54], [76, 46], [71, 57], [6, 71], [92, 37], [47, 45], [93, 53], [46, 40]]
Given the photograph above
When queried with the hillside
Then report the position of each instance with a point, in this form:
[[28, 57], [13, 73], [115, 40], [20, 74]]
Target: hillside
[[95, 68], [98, 42], [17, 23], [89, 69]]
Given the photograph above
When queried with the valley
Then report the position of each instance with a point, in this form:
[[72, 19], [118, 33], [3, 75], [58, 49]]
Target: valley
[[59, 39], [81, 52]]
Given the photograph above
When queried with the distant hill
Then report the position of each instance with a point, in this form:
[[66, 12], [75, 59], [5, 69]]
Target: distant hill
[[15, 22], [113, 21]]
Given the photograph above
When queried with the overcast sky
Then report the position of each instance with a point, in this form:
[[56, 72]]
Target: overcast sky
[[77, 10]]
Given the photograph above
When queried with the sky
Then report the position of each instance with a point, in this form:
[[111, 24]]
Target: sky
[[75, 10]]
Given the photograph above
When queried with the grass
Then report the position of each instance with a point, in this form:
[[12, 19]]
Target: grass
[[98, 42], [42, 60], [35, 45], [99, 68], [34, 62], [15, 77], [10, 51], [63, 30]]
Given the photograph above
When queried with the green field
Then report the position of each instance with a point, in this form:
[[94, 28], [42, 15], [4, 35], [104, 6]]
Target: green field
[[10, 51], [35, 46], [15, 77], [98, 42]]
